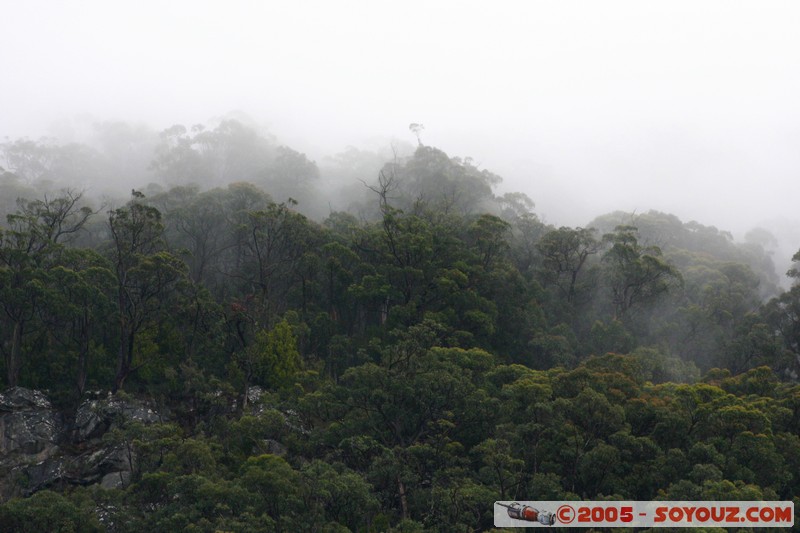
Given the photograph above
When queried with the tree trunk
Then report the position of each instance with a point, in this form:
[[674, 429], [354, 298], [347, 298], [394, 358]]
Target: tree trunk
[[12, 360], [401, 488], [124, 357], [83, 355]]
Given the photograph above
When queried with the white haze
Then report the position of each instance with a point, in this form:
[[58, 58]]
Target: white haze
[[686, 107]]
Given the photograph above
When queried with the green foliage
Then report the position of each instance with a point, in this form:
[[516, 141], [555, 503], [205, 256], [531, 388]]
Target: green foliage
[[636, 274], [431, 180], [47, 511], [564, 254], [413, 365], [273, 357]]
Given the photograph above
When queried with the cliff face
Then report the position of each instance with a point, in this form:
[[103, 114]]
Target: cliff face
[[41, 447]]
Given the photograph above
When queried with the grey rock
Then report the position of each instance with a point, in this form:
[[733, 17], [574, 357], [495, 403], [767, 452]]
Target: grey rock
[[116, 480], [18, 398], [94, 417], [115, 459], [27, 432], [292, 420], [88, 422], [254, 394], [39, 450], [28, 425], [44, 474], [133, 410], [274, 447]]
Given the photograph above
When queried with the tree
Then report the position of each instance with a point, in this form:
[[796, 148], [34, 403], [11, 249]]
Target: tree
[[431, 180], [47, 511], [82, 298], [277, 240], [277, 483], [635, 274], [290, 174], [333, 492], [794, 272], [564, 253], [230, 152], [273, 359], [22, 285], [28, 251], [783, 316], [407, 405], [146, 274], [488, 235], [201, 226], [500, 466], [50, 220], [29, 160]]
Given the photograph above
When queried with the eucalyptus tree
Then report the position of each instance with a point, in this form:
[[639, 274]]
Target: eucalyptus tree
[[564, 253], [29, 249], [635, 274], [147, 276]]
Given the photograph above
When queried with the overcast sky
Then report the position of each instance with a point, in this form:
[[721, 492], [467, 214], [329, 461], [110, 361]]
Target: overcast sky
[[687, 107]]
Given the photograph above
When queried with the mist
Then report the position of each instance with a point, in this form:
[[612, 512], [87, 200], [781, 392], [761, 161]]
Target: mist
[[680, 107], [313, 265]]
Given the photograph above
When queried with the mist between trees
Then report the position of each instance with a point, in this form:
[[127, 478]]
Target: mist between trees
[[425, 344]]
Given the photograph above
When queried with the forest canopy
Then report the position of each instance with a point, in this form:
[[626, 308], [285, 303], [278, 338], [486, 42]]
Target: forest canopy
[[396, 363]]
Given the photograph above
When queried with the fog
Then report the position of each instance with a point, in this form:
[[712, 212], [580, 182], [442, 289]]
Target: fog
[[685, 107]]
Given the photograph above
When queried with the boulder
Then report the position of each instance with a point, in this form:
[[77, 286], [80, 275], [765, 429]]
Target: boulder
[[40, 449], [94, 417], [28, 424], [116, 480], [18, 398], [44, 474], [29, 434]]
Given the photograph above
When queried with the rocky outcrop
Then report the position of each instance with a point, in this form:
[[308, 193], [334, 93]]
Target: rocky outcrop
[[94, 417], [41, 448], [28, 425]]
